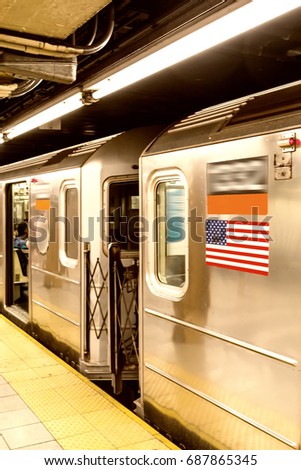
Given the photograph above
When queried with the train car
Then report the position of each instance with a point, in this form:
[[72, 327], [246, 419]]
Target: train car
[[73, 203], [220, 275], [211, 230]]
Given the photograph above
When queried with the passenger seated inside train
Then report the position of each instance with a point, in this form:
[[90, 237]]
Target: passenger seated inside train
[[21, 241]]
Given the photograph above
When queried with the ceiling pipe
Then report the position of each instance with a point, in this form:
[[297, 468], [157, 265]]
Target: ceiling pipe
[[24, 87]]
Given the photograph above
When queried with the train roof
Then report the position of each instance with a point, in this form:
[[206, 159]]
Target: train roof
[[251, 115], [68, 157]]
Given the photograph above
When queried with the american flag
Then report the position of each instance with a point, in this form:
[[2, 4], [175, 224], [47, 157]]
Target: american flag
[[243, 246]]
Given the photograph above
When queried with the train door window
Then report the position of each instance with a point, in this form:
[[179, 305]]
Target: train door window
[[171, 240], [122, 212], [69, 244], [17, 246], [170, 256]]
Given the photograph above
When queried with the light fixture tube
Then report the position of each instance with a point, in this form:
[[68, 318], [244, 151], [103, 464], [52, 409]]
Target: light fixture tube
[[238, 21], [226, 27], [49, 114]]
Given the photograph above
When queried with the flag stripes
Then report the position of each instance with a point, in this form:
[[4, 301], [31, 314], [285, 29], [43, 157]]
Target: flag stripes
[[243, 246]]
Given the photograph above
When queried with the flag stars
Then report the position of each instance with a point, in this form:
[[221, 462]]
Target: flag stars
[[216, 232]]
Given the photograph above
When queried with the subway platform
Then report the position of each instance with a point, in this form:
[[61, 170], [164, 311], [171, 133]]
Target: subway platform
[[47, 405]]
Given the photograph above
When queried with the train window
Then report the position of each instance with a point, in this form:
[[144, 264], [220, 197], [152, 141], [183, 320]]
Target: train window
[[68, 229], [171, 238], [71, 213], [20, 202], [122, 214]]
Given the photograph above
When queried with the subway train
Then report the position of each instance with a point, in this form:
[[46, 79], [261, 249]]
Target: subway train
[[170, 258]]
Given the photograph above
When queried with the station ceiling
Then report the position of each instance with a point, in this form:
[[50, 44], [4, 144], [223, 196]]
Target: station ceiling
[[267, 56]]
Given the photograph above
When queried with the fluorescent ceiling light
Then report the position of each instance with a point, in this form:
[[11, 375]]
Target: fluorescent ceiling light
[[53, 112], [240, 20], [232, 24]]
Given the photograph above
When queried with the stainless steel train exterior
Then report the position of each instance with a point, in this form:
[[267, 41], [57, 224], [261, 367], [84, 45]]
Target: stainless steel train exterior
[[62, 297], [215, 342], [221, 269]]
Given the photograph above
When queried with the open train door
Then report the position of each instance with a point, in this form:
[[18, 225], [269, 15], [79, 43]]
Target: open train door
[[17, 251], [112, 286], [110, 203], [123, 207]]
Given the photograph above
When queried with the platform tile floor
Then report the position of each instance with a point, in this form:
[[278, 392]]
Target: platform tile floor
[[45, 404]]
